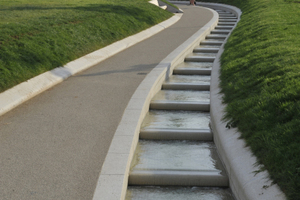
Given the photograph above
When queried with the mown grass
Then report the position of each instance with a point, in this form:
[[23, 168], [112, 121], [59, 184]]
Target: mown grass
[[37, 35], [260, 77]]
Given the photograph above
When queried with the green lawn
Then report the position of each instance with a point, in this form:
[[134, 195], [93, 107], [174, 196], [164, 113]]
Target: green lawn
[[260, 77], [38, 35]]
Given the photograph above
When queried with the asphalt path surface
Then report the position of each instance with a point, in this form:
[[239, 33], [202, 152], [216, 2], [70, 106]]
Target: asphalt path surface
[[53, 146]]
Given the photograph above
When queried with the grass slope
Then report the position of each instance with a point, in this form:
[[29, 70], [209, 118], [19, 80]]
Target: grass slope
[[260, 77], [37, 35]]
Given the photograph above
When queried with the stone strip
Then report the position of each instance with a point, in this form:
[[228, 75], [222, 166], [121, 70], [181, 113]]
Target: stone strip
[[192, 71], [186, 86], [178, 105], [204, 178], [176, 134]]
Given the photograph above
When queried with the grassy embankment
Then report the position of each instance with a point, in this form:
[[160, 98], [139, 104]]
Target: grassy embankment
[[37, 35], [260, 78]]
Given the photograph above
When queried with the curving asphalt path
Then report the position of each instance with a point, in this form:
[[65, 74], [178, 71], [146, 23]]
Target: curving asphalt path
[[53, 146]]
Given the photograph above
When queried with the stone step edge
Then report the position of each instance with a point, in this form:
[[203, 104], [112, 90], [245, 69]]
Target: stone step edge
[[227, 20], [186, 86], [218, 31], [227, 17], [203, 178], [215, 43], [192, 71], [205, 50], [179, 105], [224, 28], [199, 59], [216, 36], [226, 23], [176, 134]]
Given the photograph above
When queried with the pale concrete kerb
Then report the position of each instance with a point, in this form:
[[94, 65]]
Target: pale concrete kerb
[[163, 7], [113, 179], [17, 95], [238, 159], [154, 2]]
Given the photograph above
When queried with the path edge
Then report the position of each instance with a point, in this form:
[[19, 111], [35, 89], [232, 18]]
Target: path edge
[[24, 91], [113, 178]]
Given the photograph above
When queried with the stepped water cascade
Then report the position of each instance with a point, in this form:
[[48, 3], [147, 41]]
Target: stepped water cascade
[[176, 157]]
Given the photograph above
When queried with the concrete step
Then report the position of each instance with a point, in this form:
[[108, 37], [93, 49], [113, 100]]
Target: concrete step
[[180, 105], [199, 59], [182, 96], [178, 178], [194, 65], [183, 163], [171, 119], [203, 54], [178, 193], [176, 134], [227, 15], [185, 86], [227, 20], [225, 32], [205, 50], [193, 68], [181, 100], [191, 71], [194, 79], [226, 23], [223, 12], [216, 36], [214, 43], [223, 27]]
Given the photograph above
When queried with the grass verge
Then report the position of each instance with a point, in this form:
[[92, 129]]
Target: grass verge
[[260, 79], [37, 36]]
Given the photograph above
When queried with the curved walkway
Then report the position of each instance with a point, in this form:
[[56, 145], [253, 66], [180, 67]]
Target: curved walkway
[[53, 146]]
